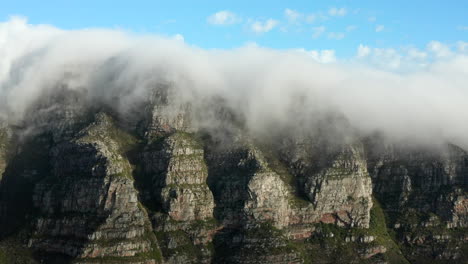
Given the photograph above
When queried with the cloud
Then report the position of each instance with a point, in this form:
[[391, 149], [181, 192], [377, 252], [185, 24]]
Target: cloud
[[292, 15], [379, 28], [263, 27], [179, 37], [223, 18], [363, 51], [372, 19], [388, 59], [296, 17], [462, 28], [336, 35], [318, 31], [462, 46], [401, 93], [322, 56], [337, 11], [414, 53], [407, 58], [17, 38], [351, 28], [311, 18], [438, 49]]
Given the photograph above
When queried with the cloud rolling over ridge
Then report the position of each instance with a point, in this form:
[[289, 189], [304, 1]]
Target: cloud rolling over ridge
[[266, 87]]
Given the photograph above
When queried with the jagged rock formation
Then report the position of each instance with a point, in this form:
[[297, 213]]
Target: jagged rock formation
[[183, 215], [252, 203], [88, 208], [248, 191], [180, 175], [85, 184], [341, 191], [424, 192]]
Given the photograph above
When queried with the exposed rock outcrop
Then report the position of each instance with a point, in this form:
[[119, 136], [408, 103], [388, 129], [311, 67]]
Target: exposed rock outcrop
[[253, 189], [179, 177], [100, 188], [182, 202], [88, 208], [342, 191], [424, 192], [246, 189]]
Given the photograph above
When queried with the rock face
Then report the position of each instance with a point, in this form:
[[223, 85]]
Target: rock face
[[179, 174], [183, 204], [342, 191], [424, 192], [88, 208], [257, 193], [248, 191], [4, 140], [90, 186]]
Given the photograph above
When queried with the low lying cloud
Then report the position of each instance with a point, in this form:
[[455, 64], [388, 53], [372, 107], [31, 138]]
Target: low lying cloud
[[425, 100]]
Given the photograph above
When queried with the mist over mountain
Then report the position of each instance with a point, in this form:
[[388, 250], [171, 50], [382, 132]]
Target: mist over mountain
[[265, 88], [117, 147]]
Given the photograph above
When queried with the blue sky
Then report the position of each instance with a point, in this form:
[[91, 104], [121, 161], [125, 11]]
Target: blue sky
[[312, 25]]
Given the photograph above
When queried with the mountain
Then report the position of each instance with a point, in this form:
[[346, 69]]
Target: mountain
[[83, 182]]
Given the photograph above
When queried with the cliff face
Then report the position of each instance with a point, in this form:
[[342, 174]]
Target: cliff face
[[177, 192], [4, 140], [424, 193], [89, 186], [88, 206]]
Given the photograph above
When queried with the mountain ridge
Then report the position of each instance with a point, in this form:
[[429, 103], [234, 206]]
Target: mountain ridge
[[88, 184]]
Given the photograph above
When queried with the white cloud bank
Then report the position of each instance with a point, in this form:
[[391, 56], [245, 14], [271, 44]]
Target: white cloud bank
[[267, 88]]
